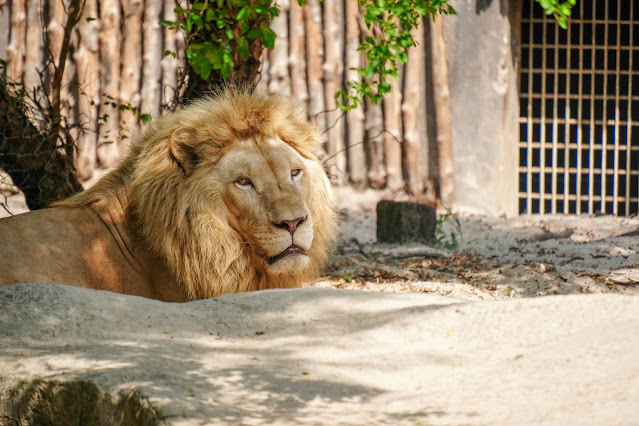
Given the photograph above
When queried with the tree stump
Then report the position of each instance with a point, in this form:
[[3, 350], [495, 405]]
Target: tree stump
[[403, 222]]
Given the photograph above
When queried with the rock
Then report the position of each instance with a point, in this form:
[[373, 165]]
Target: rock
[[403, 222], [311, 356]]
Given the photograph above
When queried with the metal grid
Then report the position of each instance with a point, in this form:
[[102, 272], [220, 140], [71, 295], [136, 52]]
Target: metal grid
[[579, 110]]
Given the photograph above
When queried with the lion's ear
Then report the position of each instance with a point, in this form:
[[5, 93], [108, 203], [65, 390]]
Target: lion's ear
[[183, 150]]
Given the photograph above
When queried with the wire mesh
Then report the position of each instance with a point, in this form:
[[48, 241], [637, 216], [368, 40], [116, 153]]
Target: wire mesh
[[579, 117]]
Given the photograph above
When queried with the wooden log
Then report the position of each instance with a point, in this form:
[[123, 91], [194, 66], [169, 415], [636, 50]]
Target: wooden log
[[333, 81], [393, 137], [262, 79], [17, 36], [314, 59], [110, 43], [403, 222], [355, 117], [169, 62], [131, 69], [375, 142], [86, 59], [413, 111], [279, 80], [34, 60], [152, 55], [441, 94], [54, 38], [297, 55]]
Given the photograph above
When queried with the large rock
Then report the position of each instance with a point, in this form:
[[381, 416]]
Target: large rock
[[310, 356]]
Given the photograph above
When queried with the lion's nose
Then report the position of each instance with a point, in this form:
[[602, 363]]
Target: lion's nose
[[290, 225]]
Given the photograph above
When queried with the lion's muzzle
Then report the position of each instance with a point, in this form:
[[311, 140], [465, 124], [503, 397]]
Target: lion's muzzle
[[293, 249]]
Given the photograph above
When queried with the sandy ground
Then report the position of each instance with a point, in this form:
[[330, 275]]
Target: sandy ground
[[497, 258], [325, 357]]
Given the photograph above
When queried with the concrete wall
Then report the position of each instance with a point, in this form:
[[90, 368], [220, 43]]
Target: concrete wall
[[484, 103]]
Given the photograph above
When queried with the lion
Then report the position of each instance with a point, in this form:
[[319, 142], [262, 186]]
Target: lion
[[223, 196]]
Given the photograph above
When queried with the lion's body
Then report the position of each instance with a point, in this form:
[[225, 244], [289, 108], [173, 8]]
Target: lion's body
[[223, 196]]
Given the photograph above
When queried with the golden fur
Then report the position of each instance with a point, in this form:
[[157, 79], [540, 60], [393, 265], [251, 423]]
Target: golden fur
[[215, 234]]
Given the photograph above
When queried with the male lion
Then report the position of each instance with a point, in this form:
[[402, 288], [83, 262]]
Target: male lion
[[223, 196]]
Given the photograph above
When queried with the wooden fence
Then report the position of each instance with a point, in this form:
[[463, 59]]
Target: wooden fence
[[117, 60]]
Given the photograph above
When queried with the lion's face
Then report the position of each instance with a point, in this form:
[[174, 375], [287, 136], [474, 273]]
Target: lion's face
[[265, 186], [228, 192]]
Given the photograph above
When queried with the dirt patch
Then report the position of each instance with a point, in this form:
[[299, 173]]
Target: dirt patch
[[497, 258]]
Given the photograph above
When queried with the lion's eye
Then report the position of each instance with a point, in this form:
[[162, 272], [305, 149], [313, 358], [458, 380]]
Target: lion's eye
[[296, 174], [243, 182]]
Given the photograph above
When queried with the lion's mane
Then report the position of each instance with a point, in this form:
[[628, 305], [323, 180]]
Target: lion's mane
[[186, 229]]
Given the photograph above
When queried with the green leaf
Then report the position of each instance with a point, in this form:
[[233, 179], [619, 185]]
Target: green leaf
[[254, 33], [145, 118], [165, 23], [268, 38], [241, 13], [243, 49], [205, 69]]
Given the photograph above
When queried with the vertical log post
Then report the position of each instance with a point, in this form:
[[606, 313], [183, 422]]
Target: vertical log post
[[262, 80], [375, 140], [87, 69], [297, 56], [279, 81], [15, 48], [333, 81], [54, 38], [131, 68], [34, 58], [413, 110], [110, 42], [393, 137], [374, 126], [355, 117], [151, 70], [314, 59], [169, 62], [441, 94]]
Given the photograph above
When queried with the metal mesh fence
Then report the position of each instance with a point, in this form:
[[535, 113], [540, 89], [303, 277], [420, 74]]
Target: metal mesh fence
[[579, 110]]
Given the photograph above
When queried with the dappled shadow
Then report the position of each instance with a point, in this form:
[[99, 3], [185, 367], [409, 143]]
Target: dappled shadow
[[229, 360], [496, 257]]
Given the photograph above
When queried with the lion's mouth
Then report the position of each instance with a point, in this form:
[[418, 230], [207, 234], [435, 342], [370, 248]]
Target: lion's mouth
[[291, 250]]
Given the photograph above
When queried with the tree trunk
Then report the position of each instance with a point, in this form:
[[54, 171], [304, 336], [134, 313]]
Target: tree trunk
[[108, 152], [355, 117], [413, 110], [15, 48], [441, 94], [297, 58], [131, 67], [86, 62], [333, 81]]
